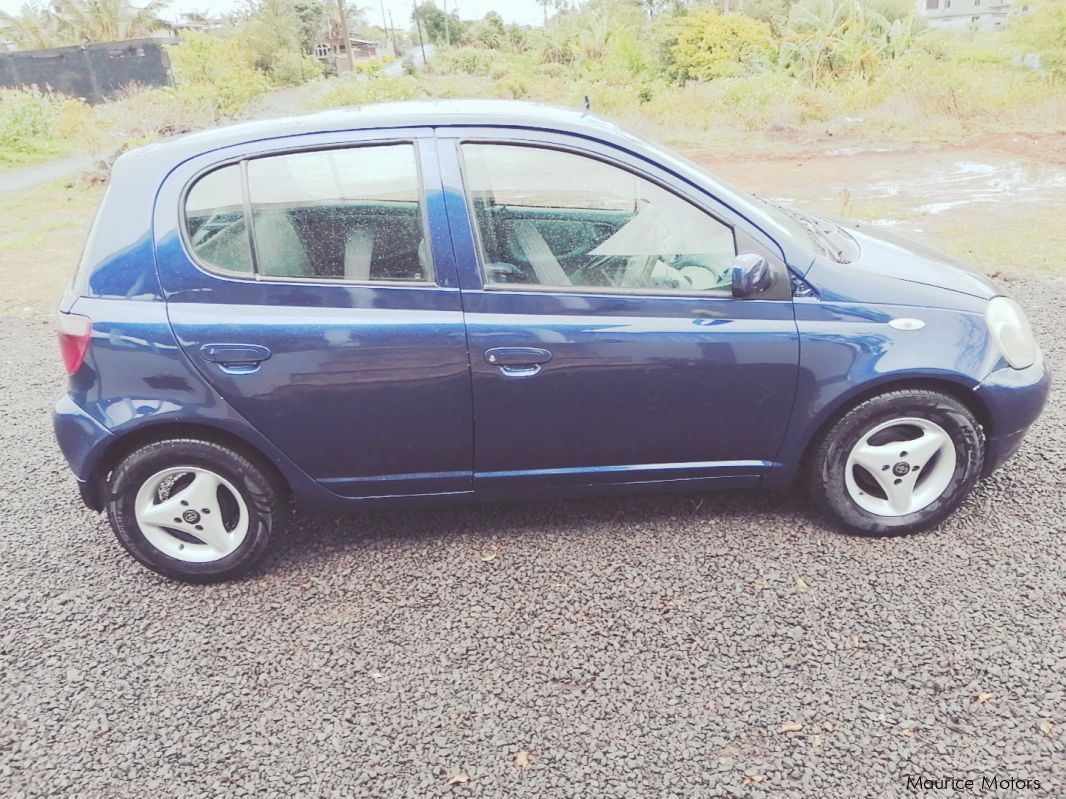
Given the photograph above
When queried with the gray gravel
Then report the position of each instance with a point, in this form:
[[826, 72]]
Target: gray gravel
[[644, 647]]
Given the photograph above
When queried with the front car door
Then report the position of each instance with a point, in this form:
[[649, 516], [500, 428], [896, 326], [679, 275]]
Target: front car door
[[605, 343], [311, 283]]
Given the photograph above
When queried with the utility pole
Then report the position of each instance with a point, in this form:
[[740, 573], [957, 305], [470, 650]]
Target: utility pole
[[341, 7], [447, 32], [418, 24], [392, 27], [385, 27]]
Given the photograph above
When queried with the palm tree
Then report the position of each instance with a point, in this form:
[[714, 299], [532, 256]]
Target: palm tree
[[107, 20], [32, 28]]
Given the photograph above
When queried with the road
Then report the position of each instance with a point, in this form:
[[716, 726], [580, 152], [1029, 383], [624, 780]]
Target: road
[[665, 646], [16, 180]]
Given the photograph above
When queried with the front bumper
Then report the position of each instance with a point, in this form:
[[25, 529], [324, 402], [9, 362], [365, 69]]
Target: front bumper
[[1014, 399]]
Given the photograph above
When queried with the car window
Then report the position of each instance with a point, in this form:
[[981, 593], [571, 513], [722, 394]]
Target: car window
[[553, 218], [214, 217], [349, 214]]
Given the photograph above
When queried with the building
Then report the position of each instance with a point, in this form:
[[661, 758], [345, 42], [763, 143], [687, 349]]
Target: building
[[333, 52], [965, 15]]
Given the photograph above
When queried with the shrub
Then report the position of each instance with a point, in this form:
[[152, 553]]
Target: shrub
[[706, 44], [1044, 32], [215, 74], [36, 123], [359, 91], [27, 118], [291, 68]]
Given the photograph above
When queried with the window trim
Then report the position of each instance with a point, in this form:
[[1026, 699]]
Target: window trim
[[254, 276], [536, 288]]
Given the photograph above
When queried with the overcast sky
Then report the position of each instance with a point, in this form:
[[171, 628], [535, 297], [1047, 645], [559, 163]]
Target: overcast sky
[[524, 11]]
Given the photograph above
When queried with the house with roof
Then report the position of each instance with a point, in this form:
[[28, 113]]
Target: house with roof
[[965, 15]]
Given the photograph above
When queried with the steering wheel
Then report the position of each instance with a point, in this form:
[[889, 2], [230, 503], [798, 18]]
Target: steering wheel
[[602, 271], [207, 231], [597, 272]]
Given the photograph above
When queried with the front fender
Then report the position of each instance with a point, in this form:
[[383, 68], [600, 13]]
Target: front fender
[[848, 351]]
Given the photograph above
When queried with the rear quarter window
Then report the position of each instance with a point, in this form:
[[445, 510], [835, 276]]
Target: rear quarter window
[[214, 219]]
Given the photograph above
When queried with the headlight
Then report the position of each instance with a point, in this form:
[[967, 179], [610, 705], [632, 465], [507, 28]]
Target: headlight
[[1011, 332]]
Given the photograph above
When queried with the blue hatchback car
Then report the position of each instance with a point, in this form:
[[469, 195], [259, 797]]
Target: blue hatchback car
[[431, 301]]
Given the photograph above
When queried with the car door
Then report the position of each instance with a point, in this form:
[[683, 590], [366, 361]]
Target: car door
[[311, 283], [605, 343]]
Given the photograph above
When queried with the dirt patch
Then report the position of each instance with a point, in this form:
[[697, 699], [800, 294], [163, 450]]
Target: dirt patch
[[999, 205]]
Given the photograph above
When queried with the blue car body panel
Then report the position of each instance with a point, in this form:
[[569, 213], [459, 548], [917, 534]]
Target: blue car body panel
[[387, 392]]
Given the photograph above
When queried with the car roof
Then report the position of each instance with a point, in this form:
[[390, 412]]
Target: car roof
[[411, 114]]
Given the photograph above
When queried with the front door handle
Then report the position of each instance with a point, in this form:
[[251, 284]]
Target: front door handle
[[518, 361], [236, 358]]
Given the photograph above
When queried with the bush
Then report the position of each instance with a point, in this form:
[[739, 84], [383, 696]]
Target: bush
[[215, 75], [706, 45], [360, 91], [1044, 33], [36, 123], [27, 117], [291, 69]]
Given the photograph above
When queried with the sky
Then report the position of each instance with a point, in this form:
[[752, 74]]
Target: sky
[[526, 12]]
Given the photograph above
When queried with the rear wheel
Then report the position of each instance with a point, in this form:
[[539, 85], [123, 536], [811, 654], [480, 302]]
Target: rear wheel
[[897, 463], [193, 510]]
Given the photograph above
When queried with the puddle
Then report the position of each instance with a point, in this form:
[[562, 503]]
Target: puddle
[[965, 182]]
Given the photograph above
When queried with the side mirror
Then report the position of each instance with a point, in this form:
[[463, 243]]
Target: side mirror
[[751, 275]]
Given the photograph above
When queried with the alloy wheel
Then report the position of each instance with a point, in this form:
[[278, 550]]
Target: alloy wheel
[[191, 514], [900, 467]]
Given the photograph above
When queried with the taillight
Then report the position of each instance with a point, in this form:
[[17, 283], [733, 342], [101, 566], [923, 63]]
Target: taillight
[[74, 333]]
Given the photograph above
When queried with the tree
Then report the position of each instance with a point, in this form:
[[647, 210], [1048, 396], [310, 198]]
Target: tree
[[32, 28], [839, 38], [1044, 32], [439, 28], [107, 20], [66, 22], [274, 32], [707, 44]]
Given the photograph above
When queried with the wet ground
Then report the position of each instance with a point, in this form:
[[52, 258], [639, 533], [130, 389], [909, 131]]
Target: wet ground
[[999, 205]]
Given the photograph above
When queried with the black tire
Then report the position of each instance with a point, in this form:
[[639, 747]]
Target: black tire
[[263, 499], [825, 472]]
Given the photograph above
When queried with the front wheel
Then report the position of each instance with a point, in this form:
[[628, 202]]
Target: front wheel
[[897, 463], [193, 510]]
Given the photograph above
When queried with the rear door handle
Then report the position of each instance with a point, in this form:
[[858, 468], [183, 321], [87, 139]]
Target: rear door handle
[[518, 361], [517, 356], [235, 357]]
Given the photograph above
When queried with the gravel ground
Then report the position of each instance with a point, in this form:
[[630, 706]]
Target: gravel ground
[[645, 647]]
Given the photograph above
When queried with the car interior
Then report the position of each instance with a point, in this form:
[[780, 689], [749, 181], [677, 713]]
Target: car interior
[[533, 245], [357, 241]]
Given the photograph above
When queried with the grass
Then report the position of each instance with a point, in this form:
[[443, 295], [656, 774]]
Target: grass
[[1010, 245], [42, 233], [49, 151]]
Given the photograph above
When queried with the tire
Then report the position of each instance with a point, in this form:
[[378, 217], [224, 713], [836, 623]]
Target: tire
[[193, 510], [866, 470]]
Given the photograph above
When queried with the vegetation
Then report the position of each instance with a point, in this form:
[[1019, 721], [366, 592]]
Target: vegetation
[[688, 72], [35, 125], [69, 22], [684, 71], [1043, 33]]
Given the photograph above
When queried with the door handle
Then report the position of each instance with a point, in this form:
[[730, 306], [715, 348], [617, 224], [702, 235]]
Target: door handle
[[517, 356], [518, 361], [236, 358]]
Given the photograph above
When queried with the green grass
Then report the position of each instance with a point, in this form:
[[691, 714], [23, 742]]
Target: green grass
[[42, 232], [17, 159]]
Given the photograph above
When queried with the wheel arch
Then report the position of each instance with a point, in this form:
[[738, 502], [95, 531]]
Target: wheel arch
[[958, 389], [141, 436]]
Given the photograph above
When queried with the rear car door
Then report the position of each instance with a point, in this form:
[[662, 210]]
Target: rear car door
[[311, 282], [605, 343]]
